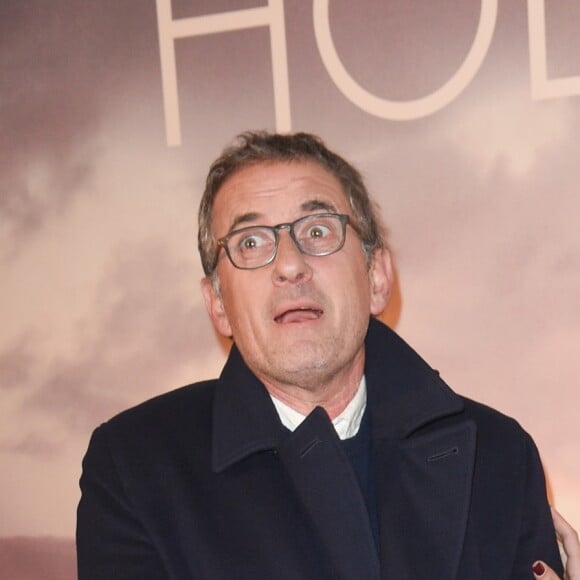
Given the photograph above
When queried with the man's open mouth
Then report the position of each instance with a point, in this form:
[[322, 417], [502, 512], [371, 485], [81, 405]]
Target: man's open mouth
[[298, 315]]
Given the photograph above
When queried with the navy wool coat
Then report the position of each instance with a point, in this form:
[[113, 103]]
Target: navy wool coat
[[203, 483]]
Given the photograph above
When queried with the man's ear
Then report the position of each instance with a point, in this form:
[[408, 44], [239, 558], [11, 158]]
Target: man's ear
[[381, 280], [215, 308]]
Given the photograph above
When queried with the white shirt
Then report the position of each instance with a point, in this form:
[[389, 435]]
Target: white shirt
[[346, 424]]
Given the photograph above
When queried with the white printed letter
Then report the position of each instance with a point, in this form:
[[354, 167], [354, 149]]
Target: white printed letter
[[169, 30], [542, 87], [403, 110]]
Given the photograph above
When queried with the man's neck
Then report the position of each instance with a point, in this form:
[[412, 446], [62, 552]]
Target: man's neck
[[333, 395]]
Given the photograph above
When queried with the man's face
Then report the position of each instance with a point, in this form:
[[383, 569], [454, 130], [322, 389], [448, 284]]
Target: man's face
[[300, 320]]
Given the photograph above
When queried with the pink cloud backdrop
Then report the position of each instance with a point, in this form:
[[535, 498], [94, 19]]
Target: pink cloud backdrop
[[98, 263]]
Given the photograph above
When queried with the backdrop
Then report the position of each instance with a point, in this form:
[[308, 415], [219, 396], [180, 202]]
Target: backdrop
[[463, 115]]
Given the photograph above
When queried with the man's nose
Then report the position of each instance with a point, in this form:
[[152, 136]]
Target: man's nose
[[290, 264]]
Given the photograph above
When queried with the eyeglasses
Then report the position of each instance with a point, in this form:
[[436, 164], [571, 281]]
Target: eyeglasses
[[319, 234]]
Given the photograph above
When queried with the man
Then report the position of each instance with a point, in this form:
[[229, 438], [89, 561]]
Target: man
[[327, 449]]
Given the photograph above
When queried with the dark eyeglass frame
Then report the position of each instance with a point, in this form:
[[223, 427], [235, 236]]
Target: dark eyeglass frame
[[343, 218]]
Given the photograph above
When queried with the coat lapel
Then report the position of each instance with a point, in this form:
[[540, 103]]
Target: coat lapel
[[424, 460], [326, 485], [425, 491]]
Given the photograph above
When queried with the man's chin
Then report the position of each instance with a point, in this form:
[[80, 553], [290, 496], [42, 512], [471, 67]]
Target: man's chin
[[300, 371]]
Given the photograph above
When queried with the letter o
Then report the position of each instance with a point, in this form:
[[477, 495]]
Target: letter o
[[403, 110]]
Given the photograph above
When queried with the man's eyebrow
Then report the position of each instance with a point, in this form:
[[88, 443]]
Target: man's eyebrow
[[315, 204], [243, 219]]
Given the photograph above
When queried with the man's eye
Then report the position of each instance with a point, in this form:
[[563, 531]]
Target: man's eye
[[318, 231], [253, 241], [250, 242]]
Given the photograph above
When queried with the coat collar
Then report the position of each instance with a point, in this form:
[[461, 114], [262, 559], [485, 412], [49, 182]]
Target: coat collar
[[244, 418], [404, 394]]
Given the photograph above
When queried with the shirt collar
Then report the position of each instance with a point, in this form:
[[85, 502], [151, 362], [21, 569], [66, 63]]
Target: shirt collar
[[346, 424]]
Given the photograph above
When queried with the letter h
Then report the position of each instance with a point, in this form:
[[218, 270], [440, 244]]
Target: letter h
[[271, 15]]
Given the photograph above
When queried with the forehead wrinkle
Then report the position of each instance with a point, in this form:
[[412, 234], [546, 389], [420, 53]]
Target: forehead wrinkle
[[245, 184], [310, 205]]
